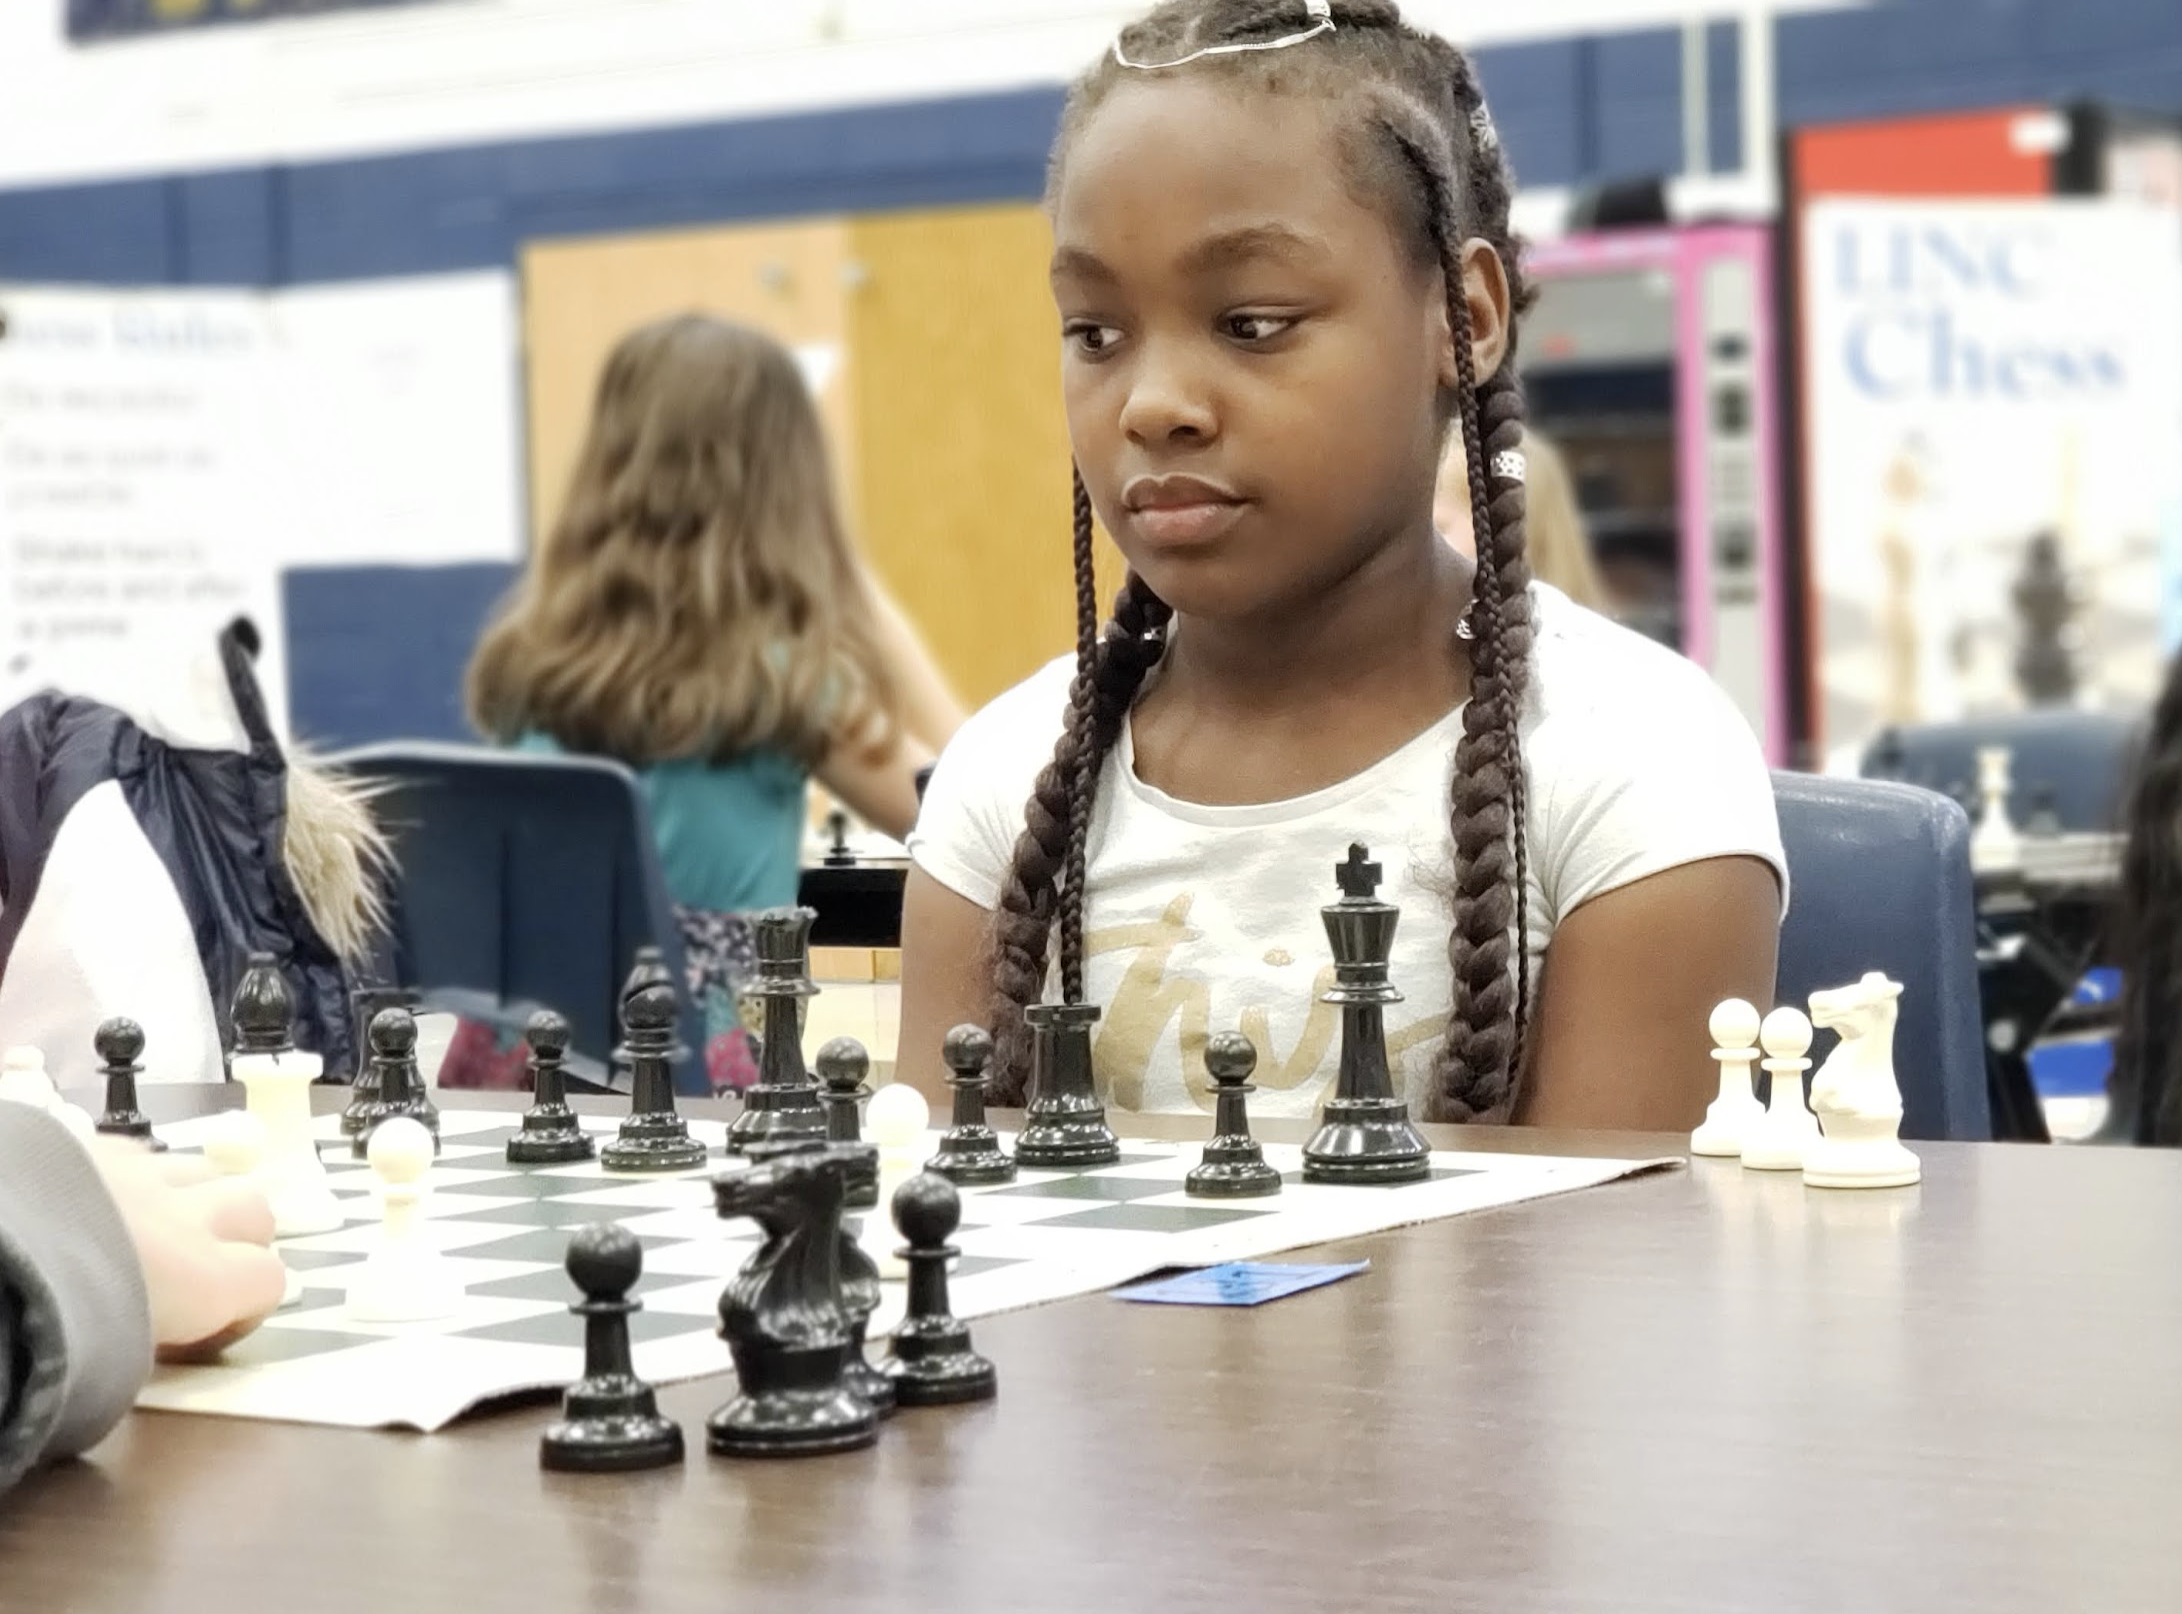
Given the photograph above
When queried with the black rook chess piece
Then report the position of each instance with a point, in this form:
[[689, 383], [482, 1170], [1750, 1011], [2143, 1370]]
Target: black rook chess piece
[[931, 1361], [551, 1134], [365, 1002], [397, 1087], [1364, 1133], [610, 1420], [842, 1066], [262, 1012], [1064, 1123], [654, 1137], [969, 1150], [1233, 1166], [784, 1102], [119, 1042]]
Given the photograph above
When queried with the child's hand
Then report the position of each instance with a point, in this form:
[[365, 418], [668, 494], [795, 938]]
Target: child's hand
[[204, 1242]]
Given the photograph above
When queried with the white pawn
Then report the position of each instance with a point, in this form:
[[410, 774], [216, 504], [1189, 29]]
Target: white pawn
[[405, 1279], [235, 1147], [896, 1122], [1736, 1112], [1778, 1142]]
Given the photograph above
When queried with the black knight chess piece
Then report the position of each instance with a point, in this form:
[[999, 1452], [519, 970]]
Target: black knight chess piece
[[1364, 1134], [610, 1420], [785, 1316], [842, 1066], [860, 1292], [397, 1087], [1233, 1166], [969, 1150], [654, 1136], [551, 1134], [784, 1102], [1064, 1124], [120, 1043], [365, 1002], [931, 1361]]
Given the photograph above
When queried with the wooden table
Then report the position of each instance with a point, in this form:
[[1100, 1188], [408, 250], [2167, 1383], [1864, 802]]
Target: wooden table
[[1700, 1390]]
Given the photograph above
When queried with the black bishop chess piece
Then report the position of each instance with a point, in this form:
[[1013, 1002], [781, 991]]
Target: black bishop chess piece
[[1364, 1133], [842, 1066], [551, 1135], [654, 1136], [1064, 1124], [648, 968], [786, 1316], [784, 1102], [931, 1362], [365, 1002], [610, 1422], [969, 1150], [397, 1088], [1234, 1165], [261, 1012], [120, 1043]]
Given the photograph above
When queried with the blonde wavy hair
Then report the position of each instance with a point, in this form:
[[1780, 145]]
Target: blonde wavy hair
[[699, 596]]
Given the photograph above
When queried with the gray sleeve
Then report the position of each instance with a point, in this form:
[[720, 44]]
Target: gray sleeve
[[75, 1322]]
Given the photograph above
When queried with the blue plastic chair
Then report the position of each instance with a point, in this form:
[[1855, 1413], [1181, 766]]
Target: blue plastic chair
[[1880, 880], [378, 653], [527, 880], [2078, 761]]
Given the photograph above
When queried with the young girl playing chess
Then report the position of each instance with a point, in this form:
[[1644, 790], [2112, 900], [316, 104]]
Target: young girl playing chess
[[1285, 274]]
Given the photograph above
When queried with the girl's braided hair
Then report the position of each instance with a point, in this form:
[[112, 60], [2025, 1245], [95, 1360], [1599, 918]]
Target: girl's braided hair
[[1423, 146], [2146, 1088]]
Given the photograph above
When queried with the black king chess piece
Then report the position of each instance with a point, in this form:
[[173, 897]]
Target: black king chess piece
[[397, 1089], [610, 1420], [1064, 1123], [842, 1066], [786, 1317], [931, 1362], [551, 1134], [784, 1102], [365, 1002], [119, 1043], [1364, 1133], [1233, 1166], [969, 1150], [653, 1137]]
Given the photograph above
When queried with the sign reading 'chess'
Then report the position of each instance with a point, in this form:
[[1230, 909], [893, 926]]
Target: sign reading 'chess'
[[92, 20]]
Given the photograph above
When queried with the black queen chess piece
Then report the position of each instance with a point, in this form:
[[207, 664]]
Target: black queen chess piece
[[785, 1316], [610, 1420], [119, 1043], [969, 1150], [1364, 1134], [397, 1088], [1064, 1123], [1234, 1165], [653, 1136], [551, 1135], [931, 1361], [784, 1102]]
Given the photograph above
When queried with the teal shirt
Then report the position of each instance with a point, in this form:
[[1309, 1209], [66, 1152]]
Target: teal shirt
[[730, 834]]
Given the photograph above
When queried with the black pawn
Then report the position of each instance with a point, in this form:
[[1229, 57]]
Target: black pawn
[[842, 1066], [839, 855], [365, 1002], [969, 1150], [610, 1421], [931, 1361], [654, 1137], [262, 1012], [1064, 1124], [119, 1042], [397, 1088], [551, 1134], [1233, 1166]]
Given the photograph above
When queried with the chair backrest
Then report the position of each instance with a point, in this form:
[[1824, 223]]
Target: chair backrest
[[530, 879], [2078, 761], [1879, 879], [378, 652]]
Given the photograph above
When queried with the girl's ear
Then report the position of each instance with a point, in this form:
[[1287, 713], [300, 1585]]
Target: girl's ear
[[1485, 290]]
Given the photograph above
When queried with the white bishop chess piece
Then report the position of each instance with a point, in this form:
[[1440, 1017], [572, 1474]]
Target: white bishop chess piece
[[1779, 1141], [1735, 1114], [1858, 1101], [405, 1279]]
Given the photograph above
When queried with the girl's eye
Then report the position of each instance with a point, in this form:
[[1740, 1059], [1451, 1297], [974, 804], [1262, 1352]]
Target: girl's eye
[[1089, 337], [1253, 328]]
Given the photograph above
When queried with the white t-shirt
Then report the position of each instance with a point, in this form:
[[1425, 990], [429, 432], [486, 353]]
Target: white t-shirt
[[1200, 919]]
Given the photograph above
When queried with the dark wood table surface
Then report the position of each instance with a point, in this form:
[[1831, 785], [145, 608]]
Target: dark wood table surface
[[1702, 1389]]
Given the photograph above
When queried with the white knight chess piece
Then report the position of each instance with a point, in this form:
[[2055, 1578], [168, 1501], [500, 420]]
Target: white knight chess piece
[[1858, 1102]]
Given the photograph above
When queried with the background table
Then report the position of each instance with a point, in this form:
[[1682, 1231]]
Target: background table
[[1703, 1389]]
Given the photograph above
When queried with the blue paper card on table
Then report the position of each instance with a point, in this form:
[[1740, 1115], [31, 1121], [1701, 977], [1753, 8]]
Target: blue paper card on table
[[1239, 1283]]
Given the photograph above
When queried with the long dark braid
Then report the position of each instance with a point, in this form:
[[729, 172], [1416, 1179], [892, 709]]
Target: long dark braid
[[2146, 1088], [1427, 148]]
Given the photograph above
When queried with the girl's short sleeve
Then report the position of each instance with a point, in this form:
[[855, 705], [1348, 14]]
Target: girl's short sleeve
[[972, 813]]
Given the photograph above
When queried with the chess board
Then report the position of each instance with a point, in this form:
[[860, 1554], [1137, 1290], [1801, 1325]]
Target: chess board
[[1047, 1236]]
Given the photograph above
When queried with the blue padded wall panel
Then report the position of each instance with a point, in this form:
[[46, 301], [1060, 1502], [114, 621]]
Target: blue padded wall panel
[[1532, 90], [120, 232], [227, 227], [1639, 126], [378, 653]]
